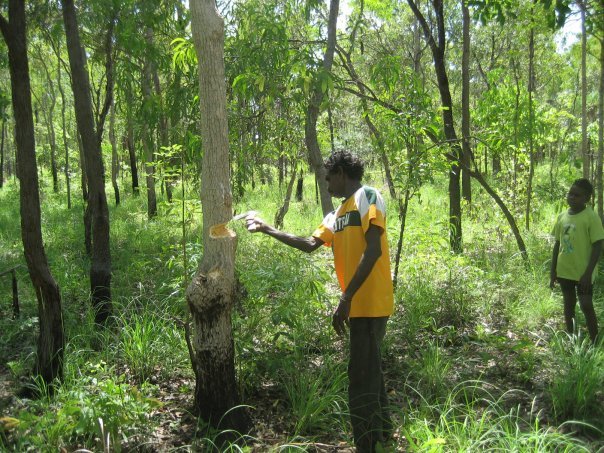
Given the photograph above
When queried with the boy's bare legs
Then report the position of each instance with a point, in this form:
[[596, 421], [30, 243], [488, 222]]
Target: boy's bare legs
[[587, 306], [570, 301]]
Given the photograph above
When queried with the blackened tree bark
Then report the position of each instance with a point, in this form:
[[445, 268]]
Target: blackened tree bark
[[148, 144], [438, 46], [114, 156], [314, 108], [49, 358], [132, 153], [100, 268], [211, 294]]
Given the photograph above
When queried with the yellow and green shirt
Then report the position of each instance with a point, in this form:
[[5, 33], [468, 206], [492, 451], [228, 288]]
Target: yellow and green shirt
[[576, 233], [344, 231]]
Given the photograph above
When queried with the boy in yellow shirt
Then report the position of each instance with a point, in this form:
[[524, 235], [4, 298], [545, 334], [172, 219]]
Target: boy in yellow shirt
[[578, 233], [356, 232]]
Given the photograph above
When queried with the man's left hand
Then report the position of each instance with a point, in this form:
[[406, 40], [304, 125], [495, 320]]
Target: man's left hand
[[340, 317], [585, 282]]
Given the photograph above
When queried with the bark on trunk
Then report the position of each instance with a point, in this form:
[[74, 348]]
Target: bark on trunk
[[280, 216], [313, 110], [114, 157], [100, 268], [210, 295], [599, 187], [49, 357], [148, 145], [437, 46], [132, 156]]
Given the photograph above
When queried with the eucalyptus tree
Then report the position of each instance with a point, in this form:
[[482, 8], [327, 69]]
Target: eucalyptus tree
[[436, 37], [211, 293], [100, 267], [50, 352]]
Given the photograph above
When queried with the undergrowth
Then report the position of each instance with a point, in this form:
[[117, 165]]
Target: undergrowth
[[473, 356]]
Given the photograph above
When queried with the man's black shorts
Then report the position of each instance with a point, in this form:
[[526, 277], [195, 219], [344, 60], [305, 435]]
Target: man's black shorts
[[570, 285]]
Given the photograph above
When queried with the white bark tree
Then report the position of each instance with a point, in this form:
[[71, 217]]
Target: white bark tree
[[211, 294]]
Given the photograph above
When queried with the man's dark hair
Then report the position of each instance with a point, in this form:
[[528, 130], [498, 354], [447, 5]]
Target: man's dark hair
[[585, 186], [353, 166]]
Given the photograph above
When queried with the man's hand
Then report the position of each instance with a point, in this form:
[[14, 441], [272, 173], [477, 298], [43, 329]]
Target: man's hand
[[340, 316], [552, 280], [255, 224], [585, 282]]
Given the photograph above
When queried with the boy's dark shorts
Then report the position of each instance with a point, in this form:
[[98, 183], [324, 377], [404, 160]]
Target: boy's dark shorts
[[570, 285]]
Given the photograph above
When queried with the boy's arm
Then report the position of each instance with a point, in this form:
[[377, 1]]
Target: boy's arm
[[596, 249], [552, 274], [370, 256], [309, 244]]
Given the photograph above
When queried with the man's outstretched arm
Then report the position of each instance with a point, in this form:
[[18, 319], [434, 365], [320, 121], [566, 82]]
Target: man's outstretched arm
[[309, 244]]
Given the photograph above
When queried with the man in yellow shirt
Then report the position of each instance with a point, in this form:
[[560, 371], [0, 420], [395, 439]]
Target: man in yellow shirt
[[356, 233]]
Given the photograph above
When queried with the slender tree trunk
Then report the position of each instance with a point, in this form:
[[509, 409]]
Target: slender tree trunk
[[2, 154], [584, 140], [100, 268], [53, 150], [49, 117], [132, 156], [399, 245], [83, 176], [531, 89], [114, 157], [312, 113], [280, 215], [599, 184], [300, 187], [465, 104], [149, 146], [437, 46], [211, 294], [64, 128], [49, 357]]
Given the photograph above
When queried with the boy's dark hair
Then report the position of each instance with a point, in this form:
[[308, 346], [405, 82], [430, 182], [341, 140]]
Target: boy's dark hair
[[350, 163], [585, 186]]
